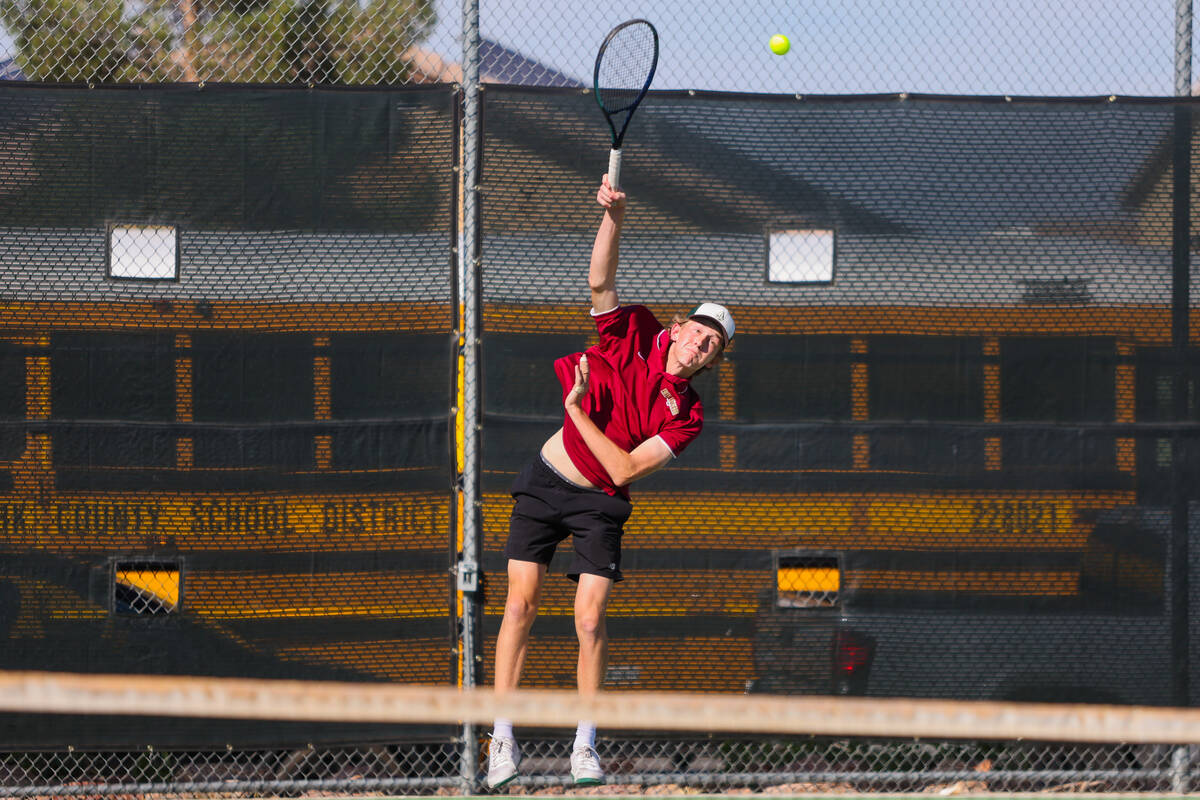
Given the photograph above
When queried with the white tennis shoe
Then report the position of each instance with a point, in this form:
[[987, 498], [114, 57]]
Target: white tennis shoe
[[585, 766], [503, 759]]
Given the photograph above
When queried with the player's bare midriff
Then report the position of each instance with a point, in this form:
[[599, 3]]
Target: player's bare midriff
[[556, 454]]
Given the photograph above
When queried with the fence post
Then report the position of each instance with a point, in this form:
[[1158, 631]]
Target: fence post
[[1180, 334], [1183, 48], [468, 255]]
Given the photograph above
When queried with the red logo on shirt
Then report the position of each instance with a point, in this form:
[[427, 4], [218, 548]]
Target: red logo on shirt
[[672, 403]]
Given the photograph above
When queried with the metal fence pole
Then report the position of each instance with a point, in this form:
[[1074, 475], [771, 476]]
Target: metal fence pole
[[1183, 48], [468, 254], [468, 283], [1181, 291]]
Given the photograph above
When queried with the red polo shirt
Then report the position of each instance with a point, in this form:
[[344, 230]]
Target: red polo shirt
[[631, 398]]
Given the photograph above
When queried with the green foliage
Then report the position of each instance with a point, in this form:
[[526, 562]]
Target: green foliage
[[371, 40], [82, 39], [247, 41]]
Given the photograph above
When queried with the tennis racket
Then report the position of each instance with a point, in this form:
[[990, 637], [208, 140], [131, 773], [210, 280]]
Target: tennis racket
[[624, 69]]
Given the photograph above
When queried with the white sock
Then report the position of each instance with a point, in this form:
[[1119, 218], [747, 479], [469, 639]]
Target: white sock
[[502, 727], [585, 734]]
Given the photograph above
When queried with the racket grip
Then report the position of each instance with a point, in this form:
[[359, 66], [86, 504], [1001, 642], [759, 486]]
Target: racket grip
[[614, 169]]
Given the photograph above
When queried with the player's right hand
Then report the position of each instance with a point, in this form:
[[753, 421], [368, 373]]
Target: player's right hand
[[580, 389], [608, 197]]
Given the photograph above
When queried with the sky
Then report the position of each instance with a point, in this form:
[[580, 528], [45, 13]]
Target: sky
[[991, 47], [1059, 47]]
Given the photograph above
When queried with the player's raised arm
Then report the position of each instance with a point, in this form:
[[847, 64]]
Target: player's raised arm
[[602, 272]]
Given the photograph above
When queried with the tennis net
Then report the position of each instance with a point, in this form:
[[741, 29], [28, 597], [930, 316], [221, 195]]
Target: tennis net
[[421, 740]]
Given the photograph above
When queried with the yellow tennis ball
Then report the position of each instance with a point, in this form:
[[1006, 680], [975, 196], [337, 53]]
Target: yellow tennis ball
[[779, 44]]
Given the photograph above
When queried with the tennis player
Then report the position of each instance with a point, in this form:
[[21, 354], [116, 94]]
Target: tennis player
[[630, 410]]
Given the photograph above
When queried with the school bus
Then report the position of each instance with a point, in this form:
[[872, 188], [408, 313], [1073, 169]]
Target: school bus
[[917, 498], [926, 476], [251, 501]]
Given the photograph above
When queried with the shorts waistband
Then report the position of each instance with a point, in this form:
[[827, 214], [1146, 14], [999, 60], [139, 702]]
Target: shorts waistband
[[569, 483]]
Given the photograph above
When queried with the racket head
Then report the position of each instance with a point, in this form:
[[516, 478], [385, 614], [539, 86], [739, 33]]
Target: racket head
[[624, 70]]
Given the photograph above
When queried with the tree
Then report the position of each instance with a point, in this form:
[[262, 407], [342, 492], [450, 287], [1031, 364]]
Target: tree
[[245, 41], [69, 40]]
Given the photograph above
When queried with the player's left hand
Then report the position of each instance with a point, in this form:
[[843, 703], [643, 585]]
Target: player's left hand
[[580, 389]]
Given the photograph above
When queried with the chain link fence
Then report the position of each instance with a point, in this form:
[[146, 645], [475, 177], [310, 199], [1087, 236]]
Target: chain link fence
[[799, 766], [1133, 47], [1016, 47], [661, 765], [392, 769]]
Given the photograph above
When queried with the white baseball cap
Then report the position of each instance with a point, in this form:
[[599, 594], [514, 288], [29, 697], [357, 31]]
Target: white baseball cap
[[718, 314]]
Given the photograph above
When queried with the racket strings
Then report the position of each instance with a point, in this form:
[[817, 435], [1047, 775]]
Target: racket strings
[[625, 67]]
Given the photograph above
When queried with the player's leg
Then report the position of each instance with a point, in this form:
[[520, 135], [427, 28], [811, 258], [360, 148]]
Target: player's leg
[[525, 580], [596, 568], [591, 606], [534, 532], [597, 521]]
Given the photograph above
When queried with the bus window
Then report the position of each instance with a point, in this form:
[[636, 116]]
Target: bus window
[[519, 376], [399, 381], [521, 395], [926, 378], [12, 400], [244, 378], [390, 375], [1163, 460], [1063, 380], [789, 379], [112, 378]]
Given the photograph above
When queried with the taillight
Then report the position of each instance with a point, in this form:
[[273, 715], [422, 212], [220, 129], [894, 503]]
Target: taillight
[[852, 653]]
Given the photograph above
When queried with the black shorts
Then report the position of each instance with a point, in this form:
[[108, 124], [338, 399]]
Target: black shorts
[[548, 509]]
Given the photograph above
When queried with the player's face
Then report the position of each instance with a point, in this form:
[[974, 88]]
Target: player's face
[[696, 344]]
